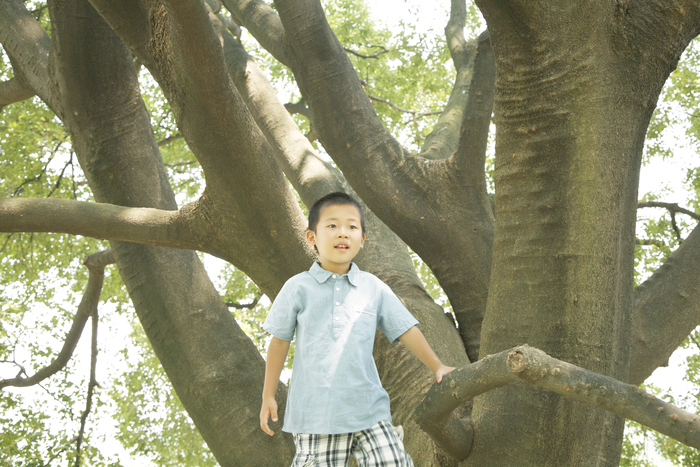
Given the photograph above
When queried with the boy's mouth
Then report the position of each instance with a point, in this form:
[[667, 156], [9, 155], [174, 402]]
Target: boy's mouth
[[342, 246]]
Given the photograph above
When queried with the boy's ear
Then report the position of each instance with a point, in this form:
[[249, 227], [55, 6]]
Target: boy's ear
[[362, 243], [311, 237]]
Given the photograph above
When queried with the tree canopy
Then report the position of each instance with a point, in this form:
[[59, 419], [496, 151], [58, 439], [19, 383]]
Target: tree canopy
[[499, 169]]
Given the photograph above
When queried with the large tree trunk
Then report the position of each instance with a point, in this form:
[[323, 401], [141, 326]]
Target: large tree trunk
[[571, 112]]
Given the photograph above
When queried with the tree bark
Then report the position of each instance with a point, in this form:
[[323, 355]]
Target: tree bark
[[410, 194], [212, 364], [666, 310], [572, 106], [384, 254], [571, 113], [525, 364]]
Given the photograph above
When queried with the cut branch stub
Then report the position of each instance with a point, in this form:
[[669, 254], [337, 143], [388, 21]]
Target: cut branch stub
[[530, 365]]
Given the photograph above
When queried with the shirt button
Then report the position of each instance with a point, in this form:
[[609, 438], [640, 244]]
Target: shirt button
[[337, 289], [333, 276], [337, 303], [337, 319]]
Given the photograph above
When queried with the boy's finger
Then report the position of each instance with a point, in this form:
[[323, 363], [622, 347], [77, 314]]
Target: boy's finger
[[264, 424]]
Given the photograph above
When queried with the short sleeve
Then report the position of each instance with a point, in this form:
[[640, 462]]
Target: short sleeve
[[394, 319], [281, 320]]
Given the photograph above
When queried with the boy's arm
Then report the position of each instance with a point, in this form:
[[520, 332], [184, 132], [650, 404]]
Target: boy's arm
[[414, 340], [276, 355]]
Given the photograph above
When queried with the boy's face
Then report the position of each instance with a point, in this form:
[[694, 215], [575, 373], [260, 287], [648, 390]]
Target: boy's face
[[338, 236]]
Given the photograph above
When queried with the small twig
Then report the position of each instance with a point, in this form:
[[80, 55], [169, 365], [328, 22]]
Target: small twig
[[241, 306], [647, 242], [694, 340], [673, 207], [375, 56], [91, 387], [674, 226], [396, 107], [169, 139], [181, 164]]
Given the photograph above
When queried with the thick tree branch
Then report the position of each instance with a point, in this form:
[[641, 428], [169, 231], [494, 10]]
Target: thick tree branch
[[309, 174], [529, 365], [207, 357], [443, 139], [27, 45], [263, 23], [96, 220], [666, 309], [87, 307], [476, 120], [14, 90], [440, 210]]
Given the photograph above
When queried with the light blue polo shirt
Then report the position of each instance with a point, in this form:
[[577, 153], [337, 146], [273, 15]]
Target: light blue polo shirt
[[335, 387]]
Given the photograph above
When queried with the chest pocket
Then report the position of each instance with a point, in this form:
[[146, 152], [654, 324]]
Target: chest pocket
[[364, 323]]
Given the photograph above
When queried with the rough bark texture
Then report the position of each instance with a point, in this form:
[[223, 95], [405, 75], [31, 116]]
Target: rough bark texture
[[572, 99], [213, 366]]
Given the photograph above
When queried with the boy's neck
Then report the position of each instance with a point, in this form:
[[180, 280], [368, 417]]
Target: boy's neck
[[336, 269]]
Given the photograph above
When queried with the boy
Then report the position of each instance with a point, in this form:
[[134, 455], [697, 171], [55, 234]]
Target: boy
[[336, 405]]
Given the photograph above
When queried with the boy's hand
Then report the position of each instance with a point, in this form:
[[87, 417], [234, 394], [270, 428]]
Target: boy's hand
[[269, 409], [442, 371]]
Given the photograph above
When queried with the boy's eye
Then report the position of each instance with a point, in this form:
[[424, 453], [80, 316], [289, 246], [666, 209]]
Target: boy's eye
[[353, 227], [332, 226]]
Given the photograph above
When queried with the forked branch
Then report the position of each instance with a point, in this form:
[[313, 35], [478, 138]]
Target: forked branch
[[529, 365]]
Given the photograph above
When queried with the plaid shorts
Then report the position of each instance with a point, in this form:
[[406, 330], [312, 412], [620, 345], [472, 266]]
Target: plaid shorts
[[378, 446]]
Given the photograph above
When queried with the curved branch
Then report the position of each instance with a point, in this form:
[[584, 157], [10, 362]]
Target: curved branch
[[263, 23], [28, 45], [474, 132], [373, 56], [14, 90], [443, 139], [439, 209], [96, 220], [672, 207], [666, 309], [87, 307], [529, 365]]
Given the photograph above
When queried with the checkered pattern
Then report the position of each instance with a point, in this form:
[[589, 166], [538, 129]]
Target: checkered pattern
[[378, 446]]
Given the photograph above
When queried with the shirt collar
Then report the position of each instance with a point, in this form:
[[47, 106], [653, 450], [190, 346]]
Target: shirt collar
[[321, 275]]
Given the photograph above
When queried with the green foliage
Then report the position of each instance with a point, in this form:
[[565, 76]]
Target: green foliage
[[430, 283], [42, 279], [678, 453], [634, 453], [150, 416], [409, 67]]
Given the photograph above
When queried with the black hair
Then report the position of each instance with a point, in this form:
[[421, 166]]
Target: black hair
[[337, 197]]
